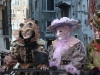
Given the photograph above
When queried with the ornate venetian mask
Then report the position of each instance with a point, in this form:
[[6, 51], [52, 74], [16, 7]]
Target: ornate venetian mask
[[63, 32]]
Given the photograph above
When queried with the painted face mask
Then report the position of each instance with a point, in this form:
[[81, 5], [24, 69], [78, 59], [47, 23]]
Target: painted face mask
[[97, 34], [62, 32], [26, 34], [26, 30]]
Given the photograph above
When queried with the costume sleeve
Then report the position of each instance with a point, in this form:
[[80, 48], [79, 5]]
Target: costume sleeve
[[11, 58], [51, 51], [78, 55], [89, 61], [13, 54], [14, 49], [41, 56]]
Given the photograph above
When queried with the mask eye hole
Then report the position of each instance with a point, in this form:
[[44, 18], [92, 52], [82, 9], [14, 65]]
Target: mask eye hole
[[22, 32], [60, 31], [21, 25], [29, 25], [27, 30]]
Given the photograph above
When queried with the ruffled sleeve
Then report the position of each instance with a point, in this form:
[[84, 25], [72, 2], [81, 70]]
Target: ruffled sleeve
[[78, 55], [14, 49]]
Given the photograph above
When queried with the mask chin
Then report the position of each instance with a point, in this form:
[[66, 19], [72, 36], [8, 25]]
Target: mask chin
[[27, 37], [59, 38]]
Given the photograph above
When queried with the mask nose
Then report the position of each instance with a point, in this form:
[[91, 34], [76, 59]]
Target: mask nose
[[57, 33], [23, 32]]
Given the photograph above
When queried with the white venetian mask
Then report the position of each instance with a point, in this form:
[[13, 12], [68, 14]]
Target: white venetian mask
[[62, 32]]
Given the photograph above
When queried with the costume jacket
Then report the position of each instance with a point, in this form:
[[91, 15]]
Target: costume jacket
[[93, 54], [29, 55], [28, 52], [74, 55]]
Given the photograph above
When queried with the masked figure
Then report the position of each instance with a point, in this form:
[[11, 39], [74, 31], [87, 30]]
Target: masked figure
[[66, 52], [93, 49], [27, 50]]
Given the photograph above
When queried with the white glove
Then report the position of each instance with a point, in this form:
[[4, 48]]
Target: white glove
[[70, 68]]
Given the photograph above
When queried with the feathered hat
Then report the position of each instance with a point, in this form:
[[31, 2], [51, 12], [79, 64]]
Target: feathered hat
[[63, 21]]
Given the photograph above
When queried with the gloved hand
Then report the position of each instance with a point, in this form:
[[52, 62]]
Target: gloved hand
[[8, 60], [5, 69], [43, 67], [70, 68], [8, 64]]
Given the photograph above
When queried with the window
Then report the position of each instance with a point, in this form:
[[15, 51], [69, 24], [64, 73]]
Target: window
[[48, 24], [13, 15], [43, 4], [15, 2], [12, 11], [24, 2], [76, 36], [35, 4], [50, 4]]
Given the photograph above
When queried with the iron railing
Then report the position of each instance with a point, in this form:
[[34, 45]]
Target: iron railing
[[15, 70]]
